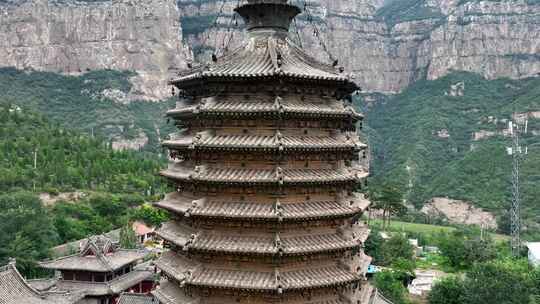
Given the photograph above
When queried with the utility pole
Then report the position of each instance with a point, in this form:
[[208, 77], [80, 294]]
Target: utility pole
[[515, 214], [35, 168]]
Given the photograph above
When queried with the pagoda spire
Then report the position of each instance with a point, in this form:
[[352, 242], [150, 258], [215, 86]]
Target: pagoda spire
[[268, 16]]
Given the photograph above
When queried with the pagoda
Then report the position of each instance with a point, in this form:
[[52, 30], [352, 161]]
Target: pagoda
[[268, 167]]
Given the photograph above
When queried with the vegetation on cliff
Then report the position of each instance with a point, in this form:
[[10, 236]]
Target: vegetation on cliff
[[94, 103], [449, 137]]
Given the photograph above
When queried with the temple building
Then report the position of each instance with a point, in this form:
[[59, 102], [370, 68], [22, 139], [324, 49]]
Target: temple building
[[101, 270], [268, 169], [14, 289]]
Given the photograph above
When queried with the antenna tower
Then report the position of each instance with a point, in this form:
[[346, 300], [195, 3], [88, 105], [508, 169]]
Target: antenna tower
[[515, 215]]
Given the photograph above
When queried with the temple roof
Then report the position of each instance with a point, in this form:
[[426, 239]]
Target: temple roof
[[98, 254], [208, 141], [263, 243], [265, 58], [115, 286], [192, 273], [229, 176], [15, 290], [136, 298], [264, 106], [276, 211]]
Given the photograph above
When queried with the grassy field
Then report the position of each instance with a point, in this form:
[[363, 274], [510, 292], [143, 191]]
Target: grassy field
[[424, 228]]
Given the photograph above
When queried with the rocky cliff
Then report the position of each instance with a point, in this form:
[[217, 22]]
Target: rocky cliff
[[386, 44], [74, 37]]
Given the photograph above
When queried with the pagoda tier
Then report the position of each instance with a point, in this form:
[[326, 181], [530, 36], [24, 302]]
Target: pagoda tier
[[278, 177], [268, 60], [208, 142], [236, 106], [189, 271], [264, 242], [275, 211], [266, 165], [171, 293]]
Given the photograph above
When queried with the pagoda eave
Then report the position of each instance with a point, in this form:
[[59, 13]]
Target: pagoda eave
[[196, 274], [189, 240], [347, 207], [180, 114], [200, 83], [264, 150]]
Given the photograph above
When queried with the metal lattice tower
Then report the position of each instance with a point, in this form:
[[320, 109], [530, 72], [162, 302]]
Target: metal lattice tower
[[515, 216]]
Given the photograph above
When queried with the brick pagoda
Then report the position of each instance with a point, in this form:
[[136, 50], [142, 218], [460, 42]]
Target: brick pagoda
[[267, 166]]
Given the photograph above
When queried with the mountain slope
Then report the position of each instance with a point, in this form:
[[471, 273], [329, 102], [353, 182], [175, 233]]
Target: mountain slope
[[43, 156], [448, 137], [386, 44], [91, 103]]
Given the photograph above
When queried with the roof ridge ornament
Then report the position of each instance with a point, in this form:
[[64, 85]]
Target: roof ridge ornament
[[277, 279], [278, 244], [278, 209], [279, 175]]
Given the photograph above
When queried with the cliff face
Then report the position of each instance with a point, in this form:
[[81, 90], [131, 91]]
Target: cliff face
[[74, 37], [389, 46], [386, 44]]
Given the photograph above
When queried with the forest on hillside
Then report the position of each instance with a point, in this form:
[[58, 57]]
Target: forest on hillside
[[39, 156], [423, 142]]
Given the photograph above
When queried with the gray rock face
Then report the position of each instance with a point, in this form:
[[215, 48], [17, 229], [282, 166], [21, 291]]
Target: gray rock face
[[385, 47], [389, 49], [73, 37]]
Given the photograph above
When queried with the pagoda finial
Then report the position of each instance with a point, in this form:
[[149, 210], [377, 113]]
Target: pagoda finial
[[268, 15]]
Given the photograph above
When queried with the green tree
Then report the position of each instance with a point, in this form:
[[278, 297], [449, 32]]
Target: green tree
[[27, 231], [389, 199], [150, 215], [464, 247], [397, 247], [128, 238], [373, 246], [501, 281], [447, 291], [390, 285]]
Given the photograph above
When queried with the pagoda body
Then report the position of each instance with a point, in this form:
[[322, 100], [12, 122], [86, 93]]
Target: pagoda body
[[267, 165]]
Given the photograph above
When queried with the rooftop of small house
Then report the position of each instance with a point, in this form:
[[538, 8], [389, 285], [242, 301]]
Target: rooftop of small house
[[97, 254]]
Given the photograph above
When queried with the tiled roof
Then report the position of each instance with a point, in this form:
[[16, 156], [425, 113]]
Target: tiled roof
[[265, 58], [136, 298], [204, 174], [235, 107], [171, 293], [115, 286], [99, 263], [263, 243], [206, 141], [276, 211], [15, 290], [190, 272]]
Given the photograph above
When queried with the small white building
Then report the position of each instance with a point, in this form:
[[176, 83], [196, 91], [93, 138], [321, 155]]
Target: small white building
[[534, 253], [424, 281]]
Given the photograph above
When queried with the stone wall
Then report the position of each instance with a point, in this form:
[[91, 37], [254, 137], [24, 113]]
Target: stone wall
[[74, 37]]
